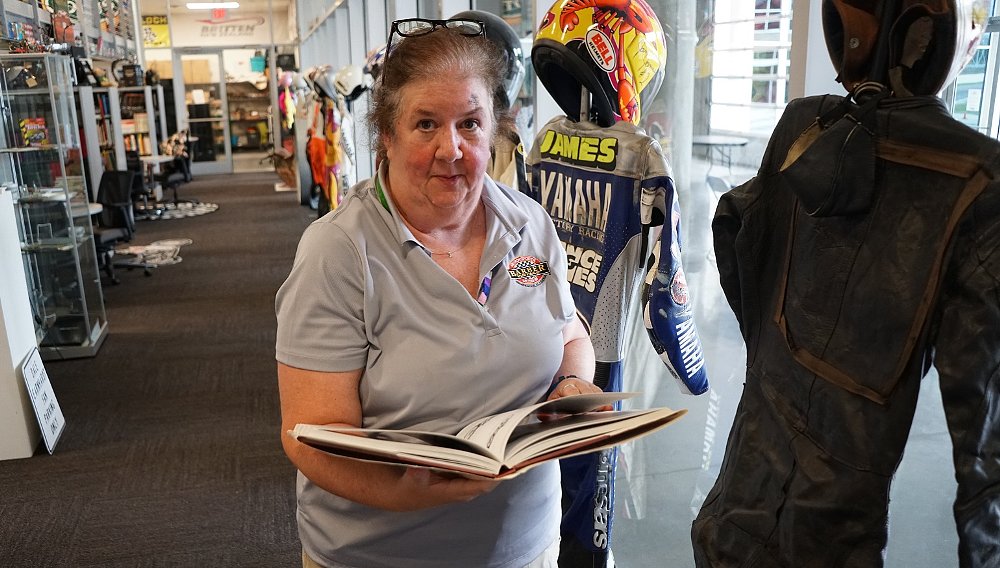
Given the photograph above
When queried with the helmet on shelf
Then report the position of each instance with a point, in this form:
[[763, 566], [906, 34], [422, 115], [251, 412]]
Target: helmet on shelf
[[919, 50], [503, 35], [351, 82], [618, 54]]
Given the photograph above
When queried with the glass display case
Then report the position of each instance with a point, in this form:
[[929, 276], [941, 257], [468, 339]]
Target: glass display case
[[41, 164]]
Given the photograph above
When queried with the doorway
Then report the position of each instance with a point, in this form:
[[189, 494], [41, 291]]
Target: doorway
[[228, 108], [206, 110]]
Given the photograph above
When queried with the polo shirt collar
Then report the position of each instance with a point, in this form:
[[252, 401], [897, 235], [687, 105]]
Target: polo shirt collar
[[504, 219]]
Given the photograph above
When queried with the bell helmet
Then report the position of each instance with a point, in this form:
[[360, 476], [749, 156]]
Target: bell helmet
[[373, 65], [351, 82], [913, 47], [616, 50], [500, 33]]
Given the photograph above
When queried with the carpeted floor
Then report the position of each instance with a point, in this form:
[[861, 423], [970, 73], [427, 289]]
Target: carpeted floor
[[171, 455]]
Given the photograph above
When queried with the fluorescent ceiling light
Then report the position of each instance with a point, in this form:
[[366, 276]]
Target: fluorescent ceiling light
[[212, 5]]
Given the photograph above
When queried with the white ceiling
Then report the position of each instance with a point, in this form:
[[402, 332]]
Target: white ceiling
[[157, 7]]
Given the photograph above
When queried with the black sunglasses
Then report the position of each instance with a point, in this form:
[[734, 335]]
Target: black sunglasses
[[412, 27]]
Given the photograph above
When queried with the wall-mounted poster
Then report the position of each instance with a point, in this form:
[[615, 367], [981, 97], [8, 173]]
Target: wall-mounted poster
[[155, 32], [124, 19], [110, 14], [64, 17]]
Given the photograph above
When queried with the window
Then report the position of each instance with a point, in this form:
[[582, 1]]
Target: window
[[750, 65]]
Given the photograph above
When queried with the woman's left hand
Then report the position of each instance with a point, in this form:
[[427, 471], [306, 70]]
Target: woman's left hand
[[573, 387]]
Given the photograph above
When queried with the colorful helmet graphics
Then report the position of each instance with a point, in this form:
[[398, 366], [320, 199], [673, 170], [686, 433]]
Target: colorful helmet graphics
[[613, 48], [373, 65], [500, 33], [923, 49], [351, 82]]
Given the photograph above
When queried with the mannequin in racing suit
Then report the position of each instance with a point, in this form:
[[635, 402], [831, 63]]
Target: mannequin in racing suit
[[609, 190], [866, 250]]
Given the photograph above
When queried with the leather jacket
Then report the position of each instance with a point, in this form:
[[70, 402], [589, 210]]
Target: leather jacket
[[866, 250]]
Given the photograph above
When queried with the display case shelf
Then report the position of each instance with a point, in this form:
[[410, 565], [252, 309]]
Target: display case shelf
[[41, 165]]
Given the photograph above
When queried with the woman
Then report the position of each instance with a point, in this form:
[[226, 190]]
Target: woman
[[432, 296]]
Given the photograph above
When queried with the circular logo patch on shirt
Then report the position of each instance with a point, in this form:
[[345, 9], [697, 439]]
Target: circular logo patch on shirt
[[679, 288], [528, 270]]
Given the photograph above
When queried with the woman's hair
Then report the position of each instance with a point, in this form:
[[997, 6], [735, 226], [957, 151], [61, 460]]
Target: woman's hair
[[441, 55]]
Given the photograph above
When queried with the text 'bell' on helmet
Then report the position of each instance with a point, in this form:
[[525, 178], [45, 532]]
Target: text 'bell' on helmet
[[913, 47], [614, 48], [351, 82], [503, 35]]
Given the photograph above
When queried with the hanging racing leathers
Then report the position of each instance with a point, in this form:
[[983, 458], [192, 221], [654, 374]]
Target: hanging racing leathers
[[864, 251], [609, 192]]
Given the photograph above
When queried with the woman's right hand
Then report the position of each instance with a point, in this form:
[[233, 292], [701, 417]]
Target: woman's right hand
[[431, 488], [314, 397]]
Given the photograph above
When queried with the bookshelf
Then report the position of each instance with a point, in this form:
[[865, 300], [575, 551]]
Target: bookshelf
[[100, 125], [138, 120], [249, 116]]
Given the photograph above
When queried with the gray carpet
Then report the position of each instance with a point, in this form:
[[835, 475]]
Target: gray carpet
[[171, 455]]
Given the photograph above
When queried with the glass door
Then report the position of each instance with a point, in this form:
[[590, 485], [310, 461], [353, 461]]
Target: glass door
[[207, 109]]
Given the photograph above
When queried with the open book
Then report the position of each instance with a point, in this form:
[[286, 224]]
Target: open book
[[501, 445]]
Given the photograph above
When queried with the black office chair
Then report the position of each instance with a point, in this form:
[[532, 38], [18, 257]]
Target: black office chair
[[141, 192], [172, 175], [116, 222]]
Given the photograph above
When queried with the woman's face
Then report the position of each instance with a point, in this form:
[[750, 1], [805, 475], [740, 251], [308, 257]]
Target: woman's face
[[441, 145]]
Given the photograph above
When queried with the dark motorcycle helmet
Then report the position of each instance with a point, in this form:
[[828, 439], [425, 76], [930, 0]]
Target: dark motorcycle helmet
[[499, 32], [912, 47]]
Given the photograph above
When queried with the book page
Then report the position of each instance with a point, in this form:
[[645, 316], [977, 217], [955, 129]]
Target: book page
[[493, 432], [532, 441], [399, 446]]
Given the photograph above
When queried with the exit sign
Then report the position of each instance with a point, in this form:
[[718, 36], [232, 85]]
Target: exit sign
[[218, 13]]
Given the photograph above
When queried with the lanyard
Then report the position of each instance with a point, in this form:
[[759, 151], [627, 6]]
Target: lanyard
[[484, 287]]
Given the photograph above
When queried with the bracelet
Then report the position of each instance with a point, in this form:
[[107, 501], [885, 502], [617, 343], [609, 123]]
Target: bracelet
[[555, 384]]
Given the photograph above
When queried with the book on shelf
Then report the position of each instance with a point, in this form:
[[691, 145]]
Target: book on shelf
[[502, 445], [34, 131], [103, 104], [138, 143]]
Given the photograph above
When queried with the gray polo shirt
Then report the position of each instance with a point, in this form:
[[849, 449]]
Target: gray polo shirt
[[363, 293]]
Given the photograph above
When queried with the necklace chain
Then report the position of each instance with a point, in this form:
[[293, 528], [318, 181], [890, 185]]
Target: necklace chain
[[448, 254]]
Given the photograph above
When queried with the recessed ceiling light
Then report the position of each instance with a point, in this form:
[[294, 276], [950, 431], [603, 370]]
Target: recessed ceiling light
[[212, 5]]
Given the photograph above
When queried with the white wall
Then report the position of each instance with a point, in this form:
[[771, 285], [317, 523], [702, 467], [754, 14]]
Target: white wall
[[238, 28], [811, 72], [19, 427]]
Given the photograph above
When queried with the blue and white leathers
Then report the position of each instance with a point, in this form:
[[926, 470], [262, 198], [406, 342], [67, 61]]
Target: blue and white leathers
[[609, 192]]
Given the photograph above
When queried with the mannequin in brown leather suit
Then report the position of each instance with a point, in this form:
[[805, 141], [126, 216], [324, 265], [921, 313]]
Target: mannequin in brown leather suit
[[866, 250]]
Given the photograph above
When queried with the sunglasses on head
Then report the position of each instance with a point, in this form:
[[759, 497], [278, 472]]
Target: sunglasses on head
[[412, 27]]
